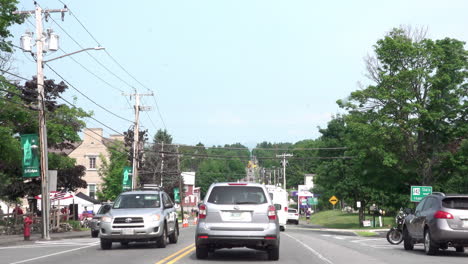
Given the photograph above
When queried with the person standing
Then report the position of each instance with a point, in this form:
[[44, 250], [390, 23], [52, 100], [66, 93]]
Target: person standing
[[308, 213]]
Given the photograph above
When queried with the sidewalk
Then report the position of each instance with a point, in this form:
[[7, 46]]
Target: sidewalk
[[11, 240], [381, 232]]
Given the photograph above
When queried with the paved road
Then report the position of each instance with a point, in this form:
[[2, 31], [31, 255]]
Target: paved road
[[298, 245]]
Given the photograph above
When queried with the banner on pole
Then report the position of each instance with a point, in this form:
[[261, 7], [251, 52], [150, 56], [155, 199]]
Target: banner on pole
[[127, 178], [30, 148]]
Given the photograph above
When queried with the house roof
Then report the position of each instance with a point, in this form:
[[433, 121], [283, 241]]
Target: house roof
[[87, 198]]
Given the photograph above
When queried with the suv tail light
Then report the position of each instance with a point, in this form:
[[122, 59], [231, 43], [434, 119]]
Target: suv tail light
[[443, 215], [271, 212], [286, 209], [202, 211]]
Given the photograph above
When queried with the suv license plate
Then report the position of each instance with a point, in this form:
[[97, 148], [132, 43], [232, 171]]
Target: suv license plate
[[127, 232], [237, 216]]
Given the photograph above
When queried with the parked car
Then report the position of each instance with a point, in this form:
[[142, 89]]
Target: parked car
[[237, 215], [145, 215], [293, 216], [94, 222], [439, 221]]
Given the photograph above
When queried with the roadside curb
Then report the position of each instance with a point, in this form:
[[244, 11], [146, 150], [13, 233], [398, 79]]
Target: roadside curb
[[378, 232], [10, 240]]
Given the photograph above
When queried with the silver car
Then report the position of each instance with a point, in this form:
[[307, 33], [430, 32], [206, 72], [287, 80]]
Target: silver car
[[95, 222], [140, 216], [237, 215], [439, 221]]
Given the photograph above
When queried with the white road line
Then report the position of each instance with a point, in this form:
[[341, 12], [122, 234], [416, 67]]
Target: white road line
[[53, 254], [320, 256]]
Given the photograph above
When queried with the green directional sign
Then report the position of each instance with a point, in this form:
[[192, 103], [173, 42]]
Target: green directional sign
[[30, 148], [312, 201], [127, 178], [419, 192]]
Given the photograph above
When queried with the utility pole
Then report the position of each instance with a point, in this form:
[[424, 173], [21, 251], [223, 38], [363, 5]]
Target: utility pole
[[162, 162], [284, 155], [45, 202], [136, 136], [181, 190]]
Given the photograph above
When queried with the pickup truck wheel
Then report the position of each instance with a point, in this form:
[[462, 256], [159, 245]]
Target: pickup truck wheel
[[201, 252], [175, 235], [162, 240], [106, 244]]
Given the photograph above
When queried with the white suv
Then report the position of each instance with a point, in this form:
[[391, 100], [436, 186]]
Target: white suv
[[140, 216]]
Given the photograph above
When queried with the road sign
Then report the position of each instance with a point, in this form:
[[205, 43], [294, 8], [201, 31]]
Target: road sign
[[419, 192], [333, 200], [312, 201]]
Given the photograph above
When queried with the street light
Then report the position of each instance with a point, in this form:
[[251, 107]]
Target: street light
[[72, 53], [43, 42]]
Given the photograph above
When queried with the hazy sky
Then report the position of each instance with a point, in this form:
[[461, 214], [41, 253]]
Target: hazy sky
[[228, 71]]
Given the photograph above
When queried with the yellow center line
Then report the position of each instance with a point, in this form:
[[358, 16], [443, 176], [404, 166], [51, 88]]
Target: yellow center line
[[178, 252], [181, 256]]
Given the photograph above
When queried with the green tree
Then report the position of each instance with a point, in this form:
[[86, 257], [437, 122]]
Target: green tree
[[111, 171], [7, 19], [416, 105]]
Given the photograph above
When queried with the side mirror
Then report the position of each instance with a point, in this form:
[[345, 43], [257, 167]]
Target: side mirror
[[278, 207], [168, 205], [408, 211], [106, 208]]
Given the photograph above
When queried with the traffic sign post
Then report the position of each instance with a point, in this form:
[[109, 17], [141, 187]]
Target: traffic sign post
[[333, 200], [419, 192]]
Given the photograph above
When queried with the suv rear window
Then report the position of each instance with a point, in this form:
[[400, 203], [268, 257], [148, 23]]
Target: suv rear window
[[456, 203], [137, 201], [237, 195]]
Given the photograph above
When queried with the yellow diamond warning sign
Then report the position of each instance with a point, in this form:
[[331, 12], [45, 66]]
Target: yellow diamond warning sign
[[333, 200]]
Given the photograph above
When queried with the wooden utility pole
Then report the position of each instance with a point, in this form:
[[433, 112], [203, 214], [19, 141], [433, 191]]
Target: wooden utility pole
[[45, 202], [284, 155], [181, 190], [136, 136]]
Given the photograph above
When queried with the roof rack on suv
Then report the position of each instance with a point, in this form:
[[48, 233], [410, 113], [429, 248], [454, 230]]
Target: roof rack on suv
[[438, 193], [150, 187]]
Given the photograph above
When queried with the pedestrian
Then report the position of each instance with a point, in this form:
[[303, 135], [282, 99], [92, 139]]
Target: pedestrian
[[307, 213], [18, 210]]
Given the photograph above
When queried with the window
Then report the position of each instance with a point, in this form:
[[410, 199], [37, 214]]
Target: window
[[92, 162], [137, 201], [237, 195], [92, 190]]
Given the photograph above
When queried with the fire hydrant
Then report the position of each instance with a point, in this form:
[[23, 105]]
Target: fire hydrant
[[27, 227]]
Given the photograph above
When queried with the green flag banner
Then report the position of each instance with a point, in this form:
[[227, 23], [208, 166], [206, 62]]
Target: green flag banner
[[127, 178], [30, 147]]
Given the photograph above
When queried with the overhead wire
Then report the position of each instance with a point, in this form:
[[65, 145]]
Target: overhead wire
[[117, 63], [86, 69], [87, 97]]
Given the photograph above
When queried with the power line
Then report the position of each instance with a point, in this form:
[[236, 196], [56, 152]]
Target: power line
[[94, 58], [116, 62], [66, 101], [76, 89]]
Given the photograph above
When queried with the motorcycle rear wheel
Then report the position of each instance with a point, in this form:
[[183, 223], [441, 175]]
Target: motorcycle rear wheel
[[394, 236]]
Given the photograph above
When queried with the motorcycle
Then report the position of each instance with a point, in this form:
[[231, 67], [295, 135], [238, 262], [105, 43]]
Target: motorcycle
[[395, 234]]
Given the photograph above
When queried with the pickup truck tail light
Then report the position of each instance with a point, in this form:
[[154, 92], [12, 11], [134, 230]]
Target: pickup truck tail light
[[286, 209], [271, 212], [443, 215], [202, 211]]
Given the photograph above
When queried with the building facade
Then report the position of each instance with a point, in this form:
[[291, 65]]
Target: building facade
[[89, 153]]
